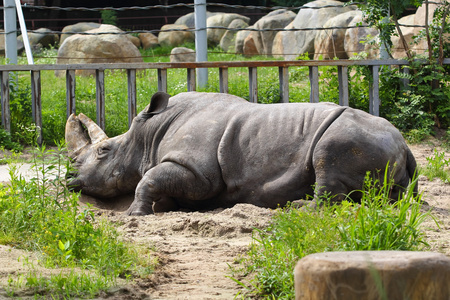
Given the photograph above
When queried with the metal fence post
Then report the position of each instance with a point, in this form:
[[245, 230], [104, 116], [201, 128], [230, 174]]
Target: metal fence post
[[131, 75], [6, 113], [314, 83], [100, 97], [374, 92], [36, 103], [253, 84]]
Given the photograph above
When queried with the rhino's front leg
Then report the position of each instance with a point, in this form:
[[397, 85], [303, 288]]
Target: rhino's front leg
[[158, 188]]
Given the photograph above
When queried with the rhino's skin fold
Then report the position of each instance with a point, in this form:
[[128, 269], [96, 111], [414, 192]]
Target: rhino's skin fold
[[207, 150]]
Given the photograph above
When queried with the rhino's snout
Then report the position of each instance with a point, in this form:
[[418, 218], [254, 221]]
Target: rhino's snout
[[73, 183]]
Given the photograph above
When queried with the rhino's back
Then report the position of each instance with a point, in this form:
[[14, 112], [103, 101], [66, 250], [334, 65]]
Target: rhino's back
[[265, 152]]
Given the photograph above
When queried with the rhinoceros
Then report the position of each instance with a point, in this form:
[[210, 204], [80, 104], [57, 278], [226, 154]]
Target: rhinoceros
[[208, 150]]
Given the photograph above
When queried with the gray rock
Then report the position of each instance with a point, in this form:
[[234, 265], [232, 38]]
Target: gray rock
[[228, 40], [398, 50], [20, 46], [355, 275], [104, 48], [43, 37], [78, 27], [175, 38], [148, 40], [221, 20], [240, 39], [300, 42], [329, 43], [263, 40], [357, 39], [182, 54], [189, 19]]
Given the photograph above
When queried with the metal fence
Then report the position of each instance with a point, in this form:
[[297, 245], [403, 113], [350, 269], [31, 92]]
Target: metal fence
[[222, 67]]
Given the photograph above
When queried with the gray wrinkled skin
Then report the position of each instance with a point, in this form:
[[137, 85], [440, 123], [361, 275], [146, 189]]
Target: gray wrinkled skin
[[206, 150]]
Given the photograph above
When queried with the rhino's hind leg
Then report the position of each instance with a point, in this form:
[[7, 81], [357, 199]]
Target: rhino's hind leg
[[161, 187]]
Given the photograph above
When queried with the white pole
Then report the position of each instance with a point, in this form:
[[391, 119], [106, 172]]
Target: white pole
[[9, 17], [23, 28], [201, 44]]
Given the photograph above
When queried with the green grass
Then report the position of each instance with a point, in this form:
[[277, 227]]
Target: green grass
[[437, 167], [41, 216], [374, 224]]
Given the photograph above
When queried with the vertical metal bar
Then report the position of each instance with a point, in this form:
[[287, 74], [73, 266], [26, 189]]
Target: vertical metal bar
[[374, 92], [10, 23], [191, 86], [223, 80], [404, 81], [162, 80], [343, 85], [37, 103], [253, 84], [314, 83], [70, 92], [100, 97], [284, 84], [6, 113], [201, 42], [131, 74]]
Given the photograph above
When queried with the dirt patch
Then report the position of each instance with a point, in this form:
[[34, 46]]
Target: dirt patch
[[196, 248]]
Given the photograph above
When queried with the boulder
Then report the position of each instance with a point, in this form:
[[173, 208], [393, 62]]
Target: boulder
[[182, 54], [189, 19], [148, 40], [20, 46], [398, 50], [301, 42], [250, 47], [263, 40], [355, 275], [281, 42], [221, 20], [135, 40], [228, 40], [240, 39], [43, 37], [356, 39], [176, 38], [78, 27], [419, 16], [104, 48], [329, 43]]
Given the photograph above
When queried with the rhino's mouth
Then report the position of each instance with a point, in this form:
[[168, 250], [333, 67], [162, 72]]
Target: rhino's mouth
[[73, 183]]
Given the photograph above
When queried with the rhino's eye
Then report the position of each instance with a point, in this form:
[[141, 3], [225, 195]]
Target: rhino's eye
[[102, 151]]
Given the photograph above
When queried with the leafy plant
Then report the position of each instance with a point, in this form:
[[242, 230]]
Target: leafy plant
[[6, 141], [109, 17], [41, 215], [437, 167], [374, 224]]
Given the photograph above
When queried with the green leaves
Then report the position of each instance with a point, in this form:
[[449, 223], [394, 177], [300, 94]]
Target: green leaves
[[374, 224]]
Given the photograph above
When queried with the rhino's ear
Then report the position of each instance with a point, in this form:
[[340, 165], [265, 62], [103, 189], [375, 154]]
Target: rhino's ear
[[158, 103]]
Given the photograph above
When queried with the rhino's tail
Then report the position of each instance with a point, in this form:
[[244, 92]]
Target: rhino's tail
[[411, 168]]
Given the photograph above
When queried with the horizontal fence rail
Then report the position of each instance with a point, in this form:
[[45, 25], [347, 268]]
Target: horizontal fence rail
[[132, 68]]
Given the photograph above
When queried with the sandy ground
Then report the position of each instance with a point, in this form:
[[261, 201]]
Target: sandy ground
[[196, 248]]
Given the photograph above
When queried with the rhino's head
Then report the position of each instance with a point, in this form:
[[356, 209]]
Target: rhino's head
[[107, 167], [97, 167]]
